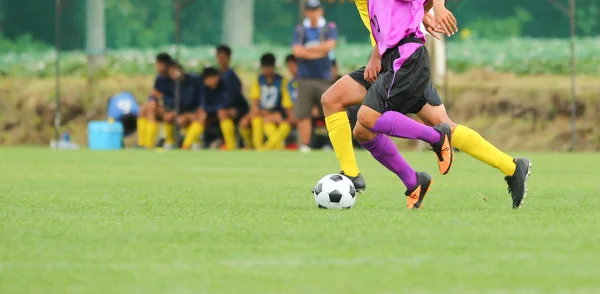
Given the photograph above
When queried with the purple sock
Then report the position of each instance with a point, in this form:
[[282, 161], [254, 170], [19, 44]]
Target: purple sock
[[384, 150], [398, 125]]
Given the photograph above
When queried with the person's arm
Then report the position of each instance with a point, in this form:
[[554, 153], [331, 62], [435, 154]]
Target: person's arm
[[255, 97], [302, 52], [428, 6], [444, 18], [373, 66], [156, 92], [286, 101], [330, 41]]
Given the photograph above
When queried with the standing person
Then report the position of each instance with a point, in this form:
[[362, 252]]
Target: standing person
[[314, 40]]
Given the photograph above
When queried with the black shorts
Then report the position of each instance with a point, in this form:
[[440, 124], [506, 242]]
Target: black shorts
[[405, 90]]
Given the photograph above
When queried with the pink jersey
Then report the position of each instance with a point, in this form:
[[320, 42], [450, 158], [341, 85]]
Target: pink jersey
[[394, 20]]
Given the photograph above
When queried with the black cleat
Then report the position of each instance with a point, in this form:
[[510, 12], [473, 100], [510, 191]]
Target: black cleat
[[443, 148], [414, 197], [517, 183], [358, 181]]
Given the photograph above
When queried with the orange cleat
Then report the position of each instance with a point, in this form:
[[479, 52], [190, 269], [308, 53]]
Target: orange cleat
[[414, 197], [443, 149]]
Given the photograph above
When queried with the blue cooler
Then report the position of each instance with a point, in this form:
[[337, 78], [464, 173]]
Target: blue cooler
[[103, 135]]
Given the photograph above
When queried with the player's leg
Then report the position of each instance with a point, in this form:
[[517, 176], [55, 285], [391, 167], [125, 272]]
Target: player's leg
[[269, 128], [385, 151], [225, 116], [245, 130], [169, 117], [302, 112], [153, 112], [380, 145], [282, 130], [258, 136], [349, 90], [469, 141], [195, 130], [142, 125]]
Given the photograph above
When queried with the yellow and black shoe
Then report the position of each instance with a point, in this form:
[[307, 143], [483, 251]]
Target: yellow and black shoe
[[443, 149], [414, 197]]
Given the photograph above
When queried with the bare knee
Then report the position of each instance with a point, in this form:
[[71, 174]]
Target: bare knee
[[367, 117], [362, 134], [222, 114], [344, 93]]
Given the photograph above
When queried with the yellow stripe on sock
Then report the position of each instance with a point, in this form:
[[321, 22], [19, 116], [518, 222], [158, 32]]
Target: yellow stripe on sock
[[472, 143], [228, 130], [340, 136]]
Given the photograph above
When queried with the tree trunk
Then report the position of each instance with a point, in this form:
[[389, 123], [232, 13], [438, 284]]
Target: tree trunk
[[95, 35], [238, 22]]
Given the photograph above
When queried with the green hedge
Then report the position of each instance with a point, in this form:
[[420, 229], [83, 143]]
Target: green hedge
[[521, 56]]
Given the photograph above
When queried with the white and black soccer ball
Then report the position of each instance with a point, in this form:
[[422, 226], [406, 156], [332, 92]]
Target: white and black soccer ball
[[334, 192]]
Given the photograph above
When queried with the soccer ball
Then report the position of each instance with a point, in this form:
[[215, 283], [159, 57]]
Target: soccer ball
[[334, 192]]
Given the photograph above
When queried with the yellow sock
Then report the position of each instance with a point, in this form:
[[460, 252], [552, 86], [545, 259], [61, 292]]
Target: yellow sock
[[276, 140], [270, 131], [228, 130], [472, 143], [142, 124], [169, 133], [340, 136], [257, 132], [151, 134], [192, 134], [246, 134]]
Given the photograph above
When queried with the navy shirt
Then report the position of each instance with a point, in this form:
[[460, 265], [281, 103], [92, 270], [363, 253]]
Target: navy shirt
[[190, 93], [164, 85], [233, 87], [315, 68], [215, 99]]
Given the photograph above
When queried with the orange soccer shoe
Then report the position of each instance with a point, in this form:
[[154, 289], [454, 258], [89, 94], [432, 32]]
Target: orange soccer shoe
[[443, 148], [414, 197]]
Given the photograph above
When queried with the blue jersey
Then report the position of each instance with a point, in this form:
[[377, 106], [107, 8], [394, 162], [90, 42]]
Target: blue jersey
[[234, 96], [165, 86], [121, 104], [271, 95], [215, 99], [308, 37], [292, 86]]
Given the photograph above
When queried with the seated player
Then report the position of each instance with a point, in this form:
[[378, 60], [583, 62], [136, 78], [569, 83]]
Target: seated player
[[215, 102], [271, 106], [123, 108], [190, 87], [292, 85], [152, 110], [233, 85]]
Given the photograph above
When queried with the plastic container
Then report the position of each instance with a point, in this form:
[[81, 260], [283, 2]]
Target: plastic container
[[103, 135]]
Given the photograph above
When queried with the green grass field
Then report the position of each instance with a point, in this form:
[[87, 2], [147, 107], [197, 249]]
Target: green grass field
[[243, 222]]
